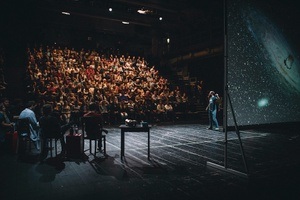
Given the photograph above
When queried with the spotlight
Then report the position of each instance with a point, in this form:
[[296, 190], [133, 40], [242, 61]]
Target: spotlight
[[143, 12], [65, 13]]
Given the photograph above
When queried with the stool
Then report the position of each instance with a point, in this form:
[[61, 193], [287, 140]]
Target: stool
[[23, 130], [50, 141], [103, 139]]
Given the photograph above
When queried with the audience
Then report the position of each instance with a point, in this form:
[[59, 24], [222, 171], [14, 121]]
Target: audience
[[121, 86]]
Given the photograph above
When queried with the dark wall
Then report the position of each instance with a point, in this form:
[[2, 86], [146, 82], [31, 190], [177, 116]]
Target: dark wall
[[25, 26], [211, 71]]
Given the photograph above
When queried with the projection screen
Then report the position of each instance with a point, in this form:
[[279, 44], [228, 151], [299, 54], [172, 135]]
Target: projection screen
[[263, 69]]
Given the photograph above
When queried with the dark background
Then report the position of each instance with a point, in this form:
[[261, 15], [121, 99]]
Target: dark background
[[195, 29]]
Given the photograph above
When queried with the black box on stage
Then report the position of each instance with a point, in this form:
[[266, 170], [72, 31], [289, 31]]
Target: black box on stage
[[74, 146]]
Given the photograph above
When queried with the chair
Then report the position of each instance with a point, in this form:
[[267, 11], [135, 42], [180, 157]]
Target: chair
[[92, 129], [23, 129], [50, 131], [50, 144]]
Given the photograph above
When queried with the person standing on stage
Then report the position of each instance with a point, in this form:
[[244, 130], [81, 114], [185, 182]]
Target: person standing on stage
[[212, 110]]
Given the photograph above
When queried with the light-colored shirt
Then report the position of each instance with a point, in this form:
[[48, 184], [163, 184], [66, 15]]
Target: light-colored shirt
[[27, 113]]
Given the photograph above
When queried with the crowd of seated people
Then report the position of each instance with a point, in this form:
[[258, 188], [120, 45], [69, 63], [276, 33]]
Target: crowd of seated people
[[122, 86]]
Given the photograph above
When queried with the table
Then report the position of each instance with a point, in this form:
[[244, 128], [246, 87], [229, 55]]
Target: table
[[138, 128]]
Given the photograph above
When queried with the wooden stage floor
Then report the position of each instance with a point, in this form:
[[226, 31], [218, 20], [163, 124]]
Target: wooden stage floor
[[177, 168]]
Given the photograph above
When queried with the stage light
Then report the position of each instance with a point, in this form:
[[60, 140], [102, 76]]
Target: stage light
[[110, 9], [143, 12], [65, 13], [160, 18]]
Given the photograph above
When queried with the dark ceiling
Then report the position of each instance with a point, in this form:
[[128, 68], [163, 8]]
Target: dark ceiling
[[179, 16], [92, 20]]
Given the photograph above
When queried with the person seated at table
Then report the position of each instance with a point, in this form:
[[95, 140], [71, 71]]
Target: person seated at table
[[94, 112], [5, 124], [51, 127], [29, 112]]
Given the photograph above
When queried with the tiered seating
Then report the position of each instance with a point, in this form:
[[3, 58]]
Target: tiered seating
[[71, 79]]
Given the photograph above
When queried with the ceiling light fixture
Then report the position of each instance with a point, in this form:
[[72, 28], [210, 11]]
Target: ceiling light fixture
[[142, 11], [123, 22], [110, 9], [65, 13]]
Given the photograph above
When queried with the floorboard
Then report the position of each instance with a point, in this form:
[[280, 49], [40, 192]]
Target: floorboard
[[176, 170]]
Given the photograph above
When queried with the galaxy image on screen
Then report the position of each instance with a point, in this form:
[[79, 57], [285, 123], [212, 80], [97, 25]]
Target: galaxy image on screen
[[263, 64]]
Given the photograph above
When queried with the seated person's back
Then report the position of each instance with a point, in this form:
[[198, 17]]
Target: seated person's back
[[92, 120], [50, 126]]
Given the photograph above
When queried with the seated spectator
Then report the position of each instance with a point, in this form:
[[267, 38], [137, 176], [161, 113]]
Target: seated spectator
[[160, 111], [7, 109], [104, 110], [5, 124], [123, 109], [51, 127], [93, 111], [33, 123], [131, 109], [170, 111], [140, 111]]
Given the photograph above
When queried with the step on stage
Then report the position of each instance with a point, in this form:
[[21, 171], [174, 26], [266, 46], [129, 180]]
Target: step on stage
[[177, 168]]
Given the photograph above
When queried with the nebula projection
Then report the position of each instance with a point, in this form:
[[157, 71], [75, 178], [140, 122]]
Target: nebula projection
[[263, 62]]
